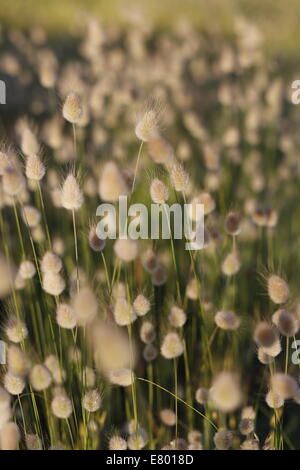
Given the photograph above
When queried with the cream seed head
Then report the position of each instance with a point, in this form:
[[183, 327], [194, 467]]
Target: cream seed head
[[33, 442], [246, 426], [231, 264], [27, 270], [96, 244], [177, 316], [29, 143], [16, 330], [223, 439], [9, 437], [13, 181], [179, 177], [65, 316], [18, 362], [91, 401], [172, 346], [147, 126], [35, 169], [61, 406], [160, 150], [53, 284], [117, 443], [71, 194], [227, 321], [126, 249], [263, 357], [278, 289], [192, 289], [274, 400], [40, 377], [14, 384], [168, 417], [51, 263], [85, 305], [202, 395], [286, 323], [273, 350], [121, 377], [124, 314], [112, 183], [225, 393], [158, 191], [72, 108], [147, 332], [207, 201], [284, 385], [31, 216], [141, 305]]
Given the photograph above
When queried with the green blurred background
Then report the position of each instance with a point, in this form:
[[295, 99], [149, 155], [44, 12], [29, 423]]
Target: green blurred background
[[278, 19]]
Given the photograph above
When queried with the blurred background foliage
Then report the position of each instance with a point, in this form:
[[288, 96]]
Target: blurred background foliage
[[278, 19]]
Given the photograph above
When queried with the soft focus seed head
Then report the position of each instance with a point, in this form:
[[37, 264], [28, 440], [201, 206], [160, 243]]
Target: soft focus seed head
[[171, 346], [286, 322], [141, 305], [179, 177], [85, 305], [223, 439], [117, 443], [225, 393], [40, 377], [65, 316], [158, 191], [13, 181], [51, 263], [126, 249], [284, 385], [227, 320], [35, 169], [71, 194], [278, 289], [53, 284], [265, 335], [61, 406], [147, 126], [177, 316], [72, 108], [91, 401], [16, 330]]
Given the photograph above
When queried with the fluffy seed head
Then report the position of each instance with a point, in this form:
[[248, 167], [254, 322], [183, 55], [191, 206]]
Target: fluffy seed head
[[202, 395], [71, 194], [124, 314], [246, 426], [286, 322], [274, 400], [9, 437], [126, 250], [179, 177], [160, 150], [223, 439], [40, 377], [112, 183], [146, 128], [61, 406], [150, 352], [141, 305], [121, 377], [265, 335], [147, 332], [29, 143], [72, 108], [227, 321], [225, 392], [51, 263], [31, 216], [278, 289], [231, 264], [117, 443], [232, 223], [91, 401], [27, 270], [207, 201], [171, 346], [35, 169], [85, 306], [18, 362], [263, 357], [13, 181], [284, 385], [33, 442], [14, 384], [53, 283], [168, 417], [158, 191], [177, 316], [96, 244], [65, 316], [16, 330]]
